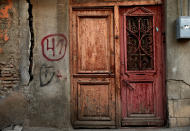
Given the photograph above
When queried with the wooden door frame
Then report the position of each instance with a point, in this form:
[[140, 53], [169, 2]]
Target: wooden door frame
[[116, 5]]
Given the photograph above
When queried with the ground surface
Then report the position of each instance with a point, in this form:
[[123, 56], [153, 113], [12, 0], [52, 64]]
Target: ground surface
[[20, 128], [136, 129]]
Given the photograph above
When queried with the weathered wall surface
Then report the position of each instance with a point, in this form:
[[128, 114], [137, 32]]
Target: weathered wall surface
[[177, 63], [14, 35], [34, 64], [49, 89], [34, 75], [9, 75]]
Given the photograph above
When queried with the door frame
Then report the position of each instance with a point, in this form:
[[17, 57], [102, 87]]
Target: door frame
[[115, 4]]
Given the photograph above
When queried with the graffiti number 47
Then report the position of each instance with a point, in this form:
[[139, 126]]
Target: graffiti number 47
[[54, 47]]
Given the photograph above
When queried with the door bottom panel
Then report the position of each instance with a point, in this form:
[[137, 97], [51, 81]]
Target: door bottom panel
[[143, 122]]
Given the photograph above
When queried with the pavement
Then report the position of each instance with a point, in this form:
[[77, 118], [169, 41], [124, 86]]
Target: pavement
[[128, 129], [20, 128]]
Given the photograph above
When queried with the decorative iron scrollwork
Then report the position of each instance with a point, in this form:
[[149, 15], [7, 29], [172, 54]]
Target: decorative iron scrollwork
[[140, 48]]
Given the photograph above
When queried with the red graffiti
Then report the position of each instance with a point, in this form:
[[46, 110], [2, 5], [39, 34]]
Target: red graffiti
[[59, 75], [54, 47]]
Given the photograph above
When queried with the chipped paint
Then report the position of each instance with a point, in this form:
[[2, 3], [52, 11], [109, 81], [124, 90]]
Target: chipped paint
[[5, 19]]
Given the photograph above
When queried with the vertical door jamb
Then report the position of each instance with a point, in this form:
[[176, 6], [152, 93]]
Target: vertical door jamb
[[117, 65], [71, 63]]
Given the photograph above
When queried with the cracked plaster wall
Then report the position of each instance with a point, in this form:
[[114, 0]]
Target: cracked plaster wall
[[34, 99], [38, 92], [178, 71], [50, 87]]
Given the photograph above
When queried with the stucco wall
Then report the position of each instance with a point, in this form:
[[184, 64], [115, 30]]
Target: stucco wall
[[178, 71], [49, 89]]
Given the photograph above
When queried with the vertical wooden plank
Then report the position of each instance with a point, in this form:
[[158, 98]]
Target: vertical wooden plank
[[164, 60], [117, 65], [160, 13]]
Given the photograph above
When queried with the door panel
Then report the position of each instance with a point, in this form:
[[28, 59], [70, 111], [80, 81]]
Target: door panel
[[139, 97], [93, 91], [93, 43], [92, 37], [93, 100], [141, 66]]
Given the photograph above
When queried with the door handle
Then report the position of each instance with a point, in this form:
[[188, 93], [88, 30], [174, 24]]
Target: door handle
[[126, 83]]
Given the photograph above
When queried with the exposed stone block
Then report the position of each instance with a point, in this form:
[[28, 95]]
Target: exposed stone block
[[172, 122], [171, 108], [183, 122], [182, 108], [185, 92], [173, 89]]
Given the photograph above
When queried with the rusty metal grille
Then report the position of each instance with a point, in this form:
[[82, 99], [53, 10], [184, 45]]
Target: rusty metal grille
[[140, 49]]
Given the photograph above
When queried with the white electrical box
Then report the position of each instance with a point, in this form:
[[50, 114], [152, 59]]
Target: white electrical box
[[183, 27]]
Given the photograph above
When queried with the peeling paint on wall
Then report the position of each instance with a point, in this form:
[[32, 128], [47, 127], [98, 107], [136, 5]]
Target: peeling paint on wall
[[5, 19]]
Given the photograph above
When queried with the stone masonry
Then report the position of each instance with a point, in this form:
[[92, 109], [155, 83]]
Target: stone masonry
[[178, 103]]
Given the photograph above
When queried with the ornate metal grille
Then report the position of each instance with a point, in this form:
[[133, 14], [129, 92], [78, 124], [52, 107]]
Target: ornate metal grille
[[140, 49]]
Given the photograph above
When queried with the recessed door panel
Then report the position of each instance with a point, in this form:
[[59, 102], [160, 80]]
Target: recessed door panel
[[93, 100], [138, 97], [93, 43]]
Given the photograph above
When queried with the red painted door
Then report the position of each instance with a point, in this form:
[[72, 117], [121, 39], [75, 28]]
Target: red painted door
[[142, 66]]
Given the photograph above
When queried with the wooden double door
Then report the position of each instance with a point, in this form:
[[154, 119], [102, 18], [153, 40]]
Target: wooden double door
[[98, 100]]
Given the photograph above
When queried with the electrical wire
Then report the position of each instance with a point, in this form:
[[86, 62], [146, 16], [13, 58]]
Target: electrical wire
[[181, 7], [188, 6]]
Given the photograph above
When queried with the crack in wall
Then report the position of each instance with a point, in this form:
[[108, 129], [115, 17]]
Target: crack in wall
[[179, 81], [31, 38]]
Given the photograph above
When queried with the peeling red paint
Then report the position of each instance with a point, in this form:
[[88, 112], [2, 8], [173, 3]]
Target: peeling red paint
[[5, 19]]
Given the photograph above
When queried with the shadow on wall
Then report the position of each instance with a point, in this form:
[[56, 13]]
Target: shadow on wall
[[12, 110]]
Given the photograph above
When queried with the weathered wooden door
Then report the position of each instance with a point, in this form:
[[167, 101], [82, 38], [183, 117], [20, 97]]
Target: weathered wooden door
[[142, 66], [93, 84]]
